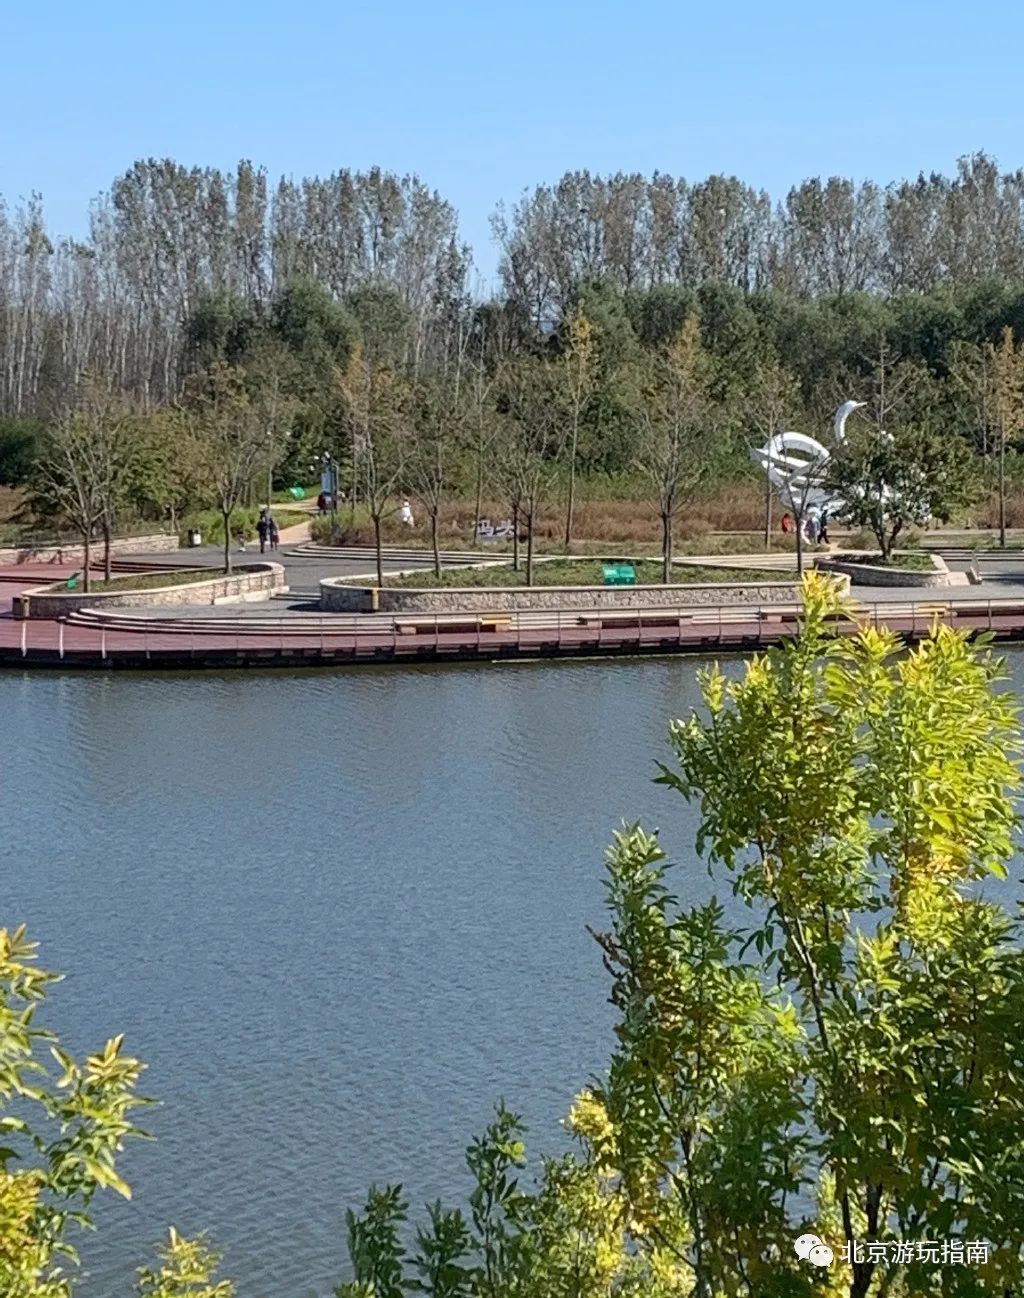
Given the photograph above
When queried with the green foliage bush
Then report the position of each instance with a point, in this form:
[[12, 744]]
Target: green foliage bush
[[243, 524], [844, 1063], [62, 1136]]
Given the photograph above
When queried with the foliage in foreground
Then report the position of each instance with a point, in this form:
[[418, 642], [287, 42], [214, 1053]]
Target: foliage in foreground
[[848, 1062], [59, 1144]]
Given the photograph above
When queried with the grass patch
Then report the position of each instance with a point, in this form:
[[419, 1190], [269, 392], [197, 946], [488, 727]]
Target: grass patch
[[139, 581], [908, 560], [585, 572]]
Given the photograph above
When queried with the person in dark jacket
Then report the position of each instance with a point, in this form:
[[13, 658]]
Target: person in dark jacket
[[263, 530], [274, 534]]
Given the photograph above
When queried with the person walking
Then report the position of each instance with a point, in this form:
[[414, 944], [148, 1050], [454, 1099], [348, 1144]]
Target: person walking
[[263, 530], [275, 535]]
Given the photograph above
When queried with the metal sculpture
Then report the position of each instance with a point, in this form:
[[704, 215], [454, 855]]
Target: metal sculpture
[[796, 466]]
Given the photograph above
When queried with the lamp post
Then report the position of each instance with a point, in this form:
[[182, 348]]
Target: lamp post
[[332, 479], [328, 472]]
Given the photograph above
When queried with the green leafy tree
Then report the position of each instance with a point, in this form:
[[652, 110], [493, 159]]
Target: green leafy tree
[[221, 329], [577, 377], [168, 476], [440, 417], [186, 1269], [676, 448], [888, 481], [86, 466], [61, 1138], [378, 411], [1007, 377], [19, 446], [528, 459], [771, 399], [61, 1135], [846, 1062], [855, 799], [231, 437]]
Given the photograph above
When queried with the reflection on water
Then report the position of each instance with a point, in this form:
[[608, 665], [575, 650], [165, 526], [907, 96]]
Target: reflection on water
[[337, 915]]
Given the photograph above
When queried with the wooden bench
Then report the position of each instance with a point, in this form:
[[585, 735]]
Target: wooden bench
[[460, 628], [612, 620]]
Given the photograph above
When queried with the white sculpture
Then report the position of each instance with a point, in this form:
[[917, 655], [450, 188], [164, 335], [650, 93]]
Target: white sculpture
[[796, 465]]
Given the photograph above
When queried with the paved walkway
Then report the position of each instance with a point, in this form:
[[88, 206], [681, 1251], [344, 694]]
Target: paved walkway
[[291, 631]]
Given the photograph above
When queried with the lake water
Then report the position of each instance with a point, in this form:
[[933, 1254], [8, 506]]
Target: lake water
[[337, 914]]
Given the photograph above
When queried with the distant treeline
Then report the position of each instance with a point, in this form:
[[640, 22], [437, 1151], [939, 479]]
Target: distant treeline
[[820, 279]]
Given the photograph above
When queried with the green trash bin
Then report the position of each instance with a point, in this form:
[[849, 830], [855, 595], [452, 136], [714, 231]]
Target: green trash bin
[[619, 574]]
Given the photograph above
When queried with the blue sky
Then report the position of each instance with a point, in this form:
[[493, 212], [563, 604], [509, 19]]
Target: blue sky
[[484, 99]]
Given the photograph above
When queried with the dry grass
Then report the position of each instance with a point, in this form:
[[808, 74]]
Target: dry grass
[[986, 512], [737, 507]]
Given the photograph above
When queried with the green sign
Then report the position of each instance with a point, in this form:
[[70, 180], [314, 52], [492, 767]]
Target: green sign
[[297, 493]]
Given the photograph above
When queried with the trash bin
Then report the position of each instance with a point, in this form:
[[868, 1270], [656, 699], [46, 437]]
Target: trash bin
[[194, 536], [619, 574]]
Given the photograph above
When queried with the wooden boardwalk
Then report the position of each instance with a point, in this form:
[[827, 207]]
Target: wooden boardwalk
[[262, 637]]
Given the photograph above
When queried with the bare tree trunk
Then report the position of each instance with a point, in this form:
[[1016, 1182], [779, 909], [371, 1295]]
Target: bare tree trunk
[[226, 516], [767, 513], [572, 486], [479, 491], [434, 543], [380, 549], [515, 538], [1002, 488], [799, 543], [86, 560], [106, 549], [666, 547], [529, 547]]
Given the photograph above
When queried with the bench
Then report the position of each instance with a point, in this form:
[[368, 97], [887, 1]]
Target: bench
[[612, 620], [464, 627]]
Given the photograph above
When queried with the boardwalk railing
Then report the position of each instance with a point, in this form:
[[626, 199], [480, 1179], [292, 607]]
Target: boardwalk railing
[[104, 636]]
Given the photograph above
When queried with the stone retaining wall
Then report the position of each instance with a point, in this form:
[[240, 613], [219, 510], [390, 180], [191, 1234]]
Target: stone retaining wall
[[866, 574], [249, 581], [70, 552], [338, 596]]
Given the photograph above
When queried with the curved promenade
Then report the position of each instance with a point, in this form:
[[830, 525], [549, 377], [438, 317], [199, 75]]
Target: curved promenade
[[260, 636], [291, 632]]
